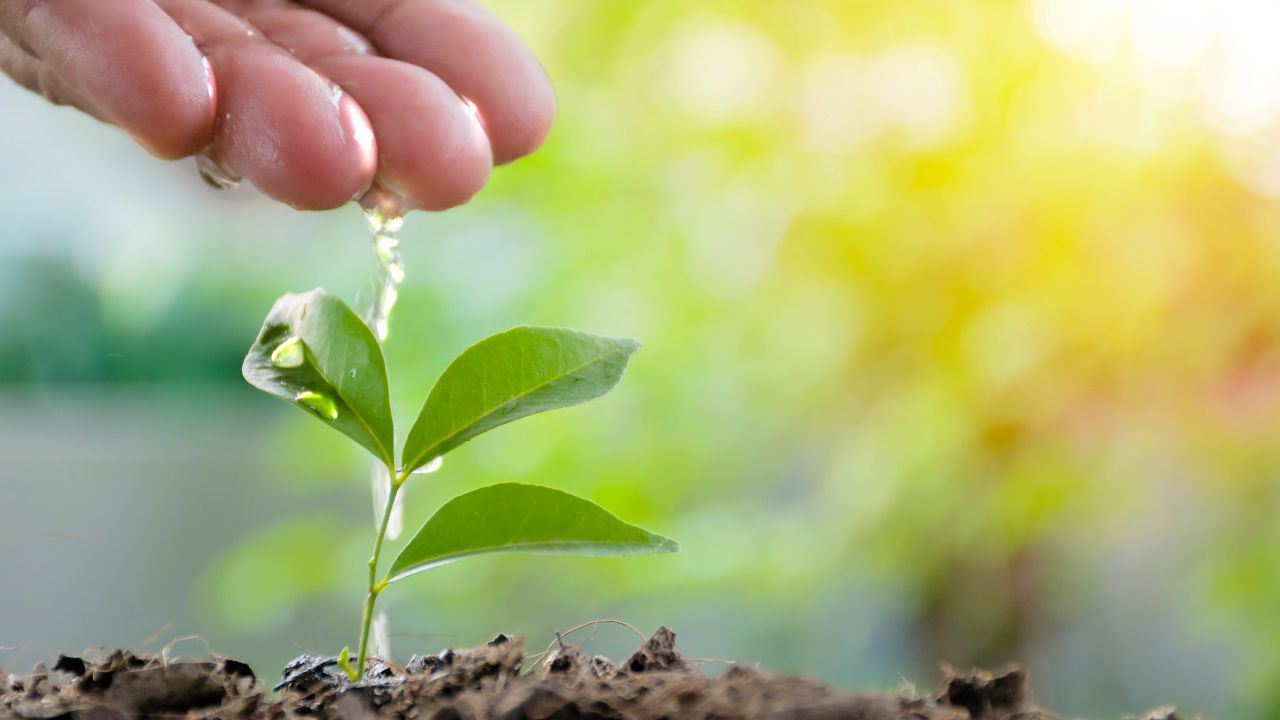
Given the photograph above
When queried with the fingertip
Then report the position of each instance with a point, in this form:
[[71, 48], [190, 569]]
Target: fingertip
[[468, 177], [294, 135], [433, 151], [178, 127], [446, 170], [319, 173], [482, 60], [524, 121]]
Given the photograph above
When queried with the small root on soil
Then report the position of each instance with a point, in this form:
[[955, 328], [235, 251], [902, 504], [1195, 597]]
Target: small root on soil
[[560, 636]]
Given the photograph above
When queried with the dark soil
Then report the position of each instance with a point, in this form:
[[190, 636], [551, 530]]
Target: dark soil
[[489, 682]]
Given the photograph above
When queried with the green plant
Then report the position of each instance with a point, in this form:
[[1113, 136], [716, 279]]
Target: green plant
[[317, 354]]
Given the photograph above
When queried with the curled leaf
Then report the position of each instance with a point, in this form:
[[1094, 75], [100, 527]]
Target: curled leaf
[[317, 354]]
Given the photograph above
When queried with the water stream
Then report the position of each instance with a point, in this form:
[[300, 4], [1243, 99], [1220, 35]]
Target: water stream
[[388, 269], [388, 273], [387, 277]]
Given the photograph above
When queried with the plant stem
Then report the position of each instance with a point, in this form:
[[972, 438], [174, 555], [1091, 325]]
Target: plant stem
[[375, 588]]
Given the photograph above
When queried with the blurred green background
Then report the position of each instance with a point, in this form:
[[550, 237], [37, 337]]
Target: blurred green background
[[962, 343]]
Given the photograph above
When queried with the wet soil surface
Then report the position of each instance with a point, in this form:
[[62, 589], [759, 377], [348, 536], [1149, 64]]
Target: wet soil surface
[[492, 681]]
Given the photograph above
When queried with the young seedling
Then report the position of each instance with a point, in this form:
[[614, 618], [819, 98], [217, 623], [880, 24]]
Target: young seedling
[[317, 354]]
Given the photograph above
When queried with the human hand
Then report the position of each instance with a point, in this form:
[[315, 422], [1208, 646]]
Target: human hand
[[257, 91]]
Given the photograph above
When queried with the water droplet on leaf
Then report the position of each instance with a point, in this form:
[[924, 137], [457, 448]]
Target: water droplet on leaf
[[289, 354], [430, 467], [321, 405]]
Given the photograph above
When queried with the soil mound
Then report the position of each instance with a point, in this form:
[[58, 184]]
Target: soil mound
[[490, 681]]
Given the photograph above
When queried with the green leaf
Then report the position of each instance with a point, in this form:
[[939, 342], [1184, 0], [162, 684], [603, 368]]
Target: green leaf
[[513, 374], [522, 518], [314, 352]]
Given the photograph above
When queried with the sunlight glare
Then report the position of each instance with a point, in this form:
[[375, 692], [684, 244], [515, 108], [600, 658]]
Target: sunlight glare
[[846, 101]]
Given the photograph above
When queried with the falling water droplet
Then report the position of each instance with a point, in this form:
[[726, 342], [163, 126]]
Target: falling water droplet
[[321, 405], [216, 177], [289, 354], [430, 467]]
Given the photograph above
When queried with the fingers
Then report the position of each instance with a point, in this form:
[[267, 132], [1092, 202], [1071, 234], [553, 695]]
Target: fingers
[[125, 61], [433, 151], [272, 116], [471, 51], [282, 126]]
